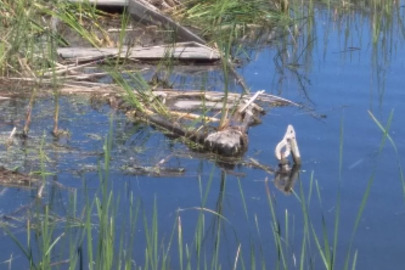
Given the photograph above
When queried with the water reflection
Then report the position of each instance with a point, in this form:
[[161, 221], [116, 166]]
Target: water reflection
[[312, 33], [285, 179]]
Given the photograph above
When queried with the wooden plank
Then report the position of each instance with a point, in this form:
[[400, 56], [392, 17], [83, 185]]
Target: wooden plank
[[181, 51]]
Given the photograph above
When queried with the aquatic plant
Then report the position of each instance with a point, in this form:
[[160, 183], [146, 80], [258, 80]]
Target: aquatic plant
[[209, 15]]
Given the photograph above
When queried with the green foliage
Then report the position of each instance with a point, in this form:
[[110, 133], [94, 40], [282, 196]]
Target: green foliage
[[27, 27], [216, 18], [229, 12]]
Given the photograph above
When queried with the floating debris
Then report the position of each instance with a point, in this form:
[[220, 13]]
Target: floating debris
[[12, 178]]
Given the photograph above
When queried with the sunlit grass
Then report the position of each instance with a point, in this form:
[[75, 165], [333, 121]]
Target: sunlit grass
[[26, 27], [207, 14]]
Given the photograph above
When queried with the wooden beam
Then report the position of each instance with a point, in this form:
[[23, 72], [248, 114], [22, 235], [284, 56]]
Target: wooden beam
[[190, 51]]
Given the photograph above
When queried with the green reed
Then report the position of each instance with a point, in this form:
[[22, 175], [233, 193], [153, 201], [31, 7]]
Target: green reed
[[385, 130], [208, 15], [19, 26]]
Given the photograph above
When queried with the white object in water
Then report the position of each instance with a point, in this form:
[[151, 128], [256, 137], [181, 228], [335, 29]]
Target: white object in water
[[290, 146]]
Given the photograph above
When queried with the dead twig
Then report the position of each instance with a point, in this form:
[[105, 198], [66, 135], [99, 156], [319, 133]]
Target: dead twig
[[250, 101], [10, 138]]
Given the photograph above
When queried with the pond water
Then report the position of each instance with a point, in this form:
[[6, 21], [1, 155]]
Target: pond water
[[341, 77]]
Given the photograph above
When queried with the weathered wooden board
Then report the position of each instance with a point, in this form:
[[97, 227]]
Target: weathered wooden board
[[187, 51]]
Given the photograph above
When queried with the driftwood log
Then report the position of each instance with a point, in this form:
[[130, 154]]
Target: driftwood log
[[229, 142], [185, 51], [187, 118]]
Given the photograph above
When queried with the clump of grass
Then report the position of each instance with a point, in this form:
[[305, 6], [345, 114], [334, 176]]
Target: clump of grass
[[84, 20], [29, 26], [19, 31], [212, 15]]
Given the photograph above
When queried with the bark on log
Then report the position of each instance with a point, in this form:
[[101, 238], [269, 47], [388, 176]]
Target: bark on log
[[229, 142]]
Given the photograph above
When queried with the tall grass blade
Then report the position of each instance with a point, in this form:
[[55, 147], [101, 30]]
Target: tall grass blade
[[180, 241], [235, 264], [243, 199], [369, 183], [386, 134], [27, 251], [275, 226]]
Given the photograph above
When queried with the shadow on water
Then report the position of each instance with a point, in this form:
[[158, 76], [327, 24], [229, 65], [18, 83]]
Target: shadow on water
[[107, 199]]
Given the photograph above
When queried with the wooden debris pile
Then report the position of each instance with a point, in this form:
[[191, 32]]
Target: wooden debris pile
[[208, 121], [15, 179], [213, 121]]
